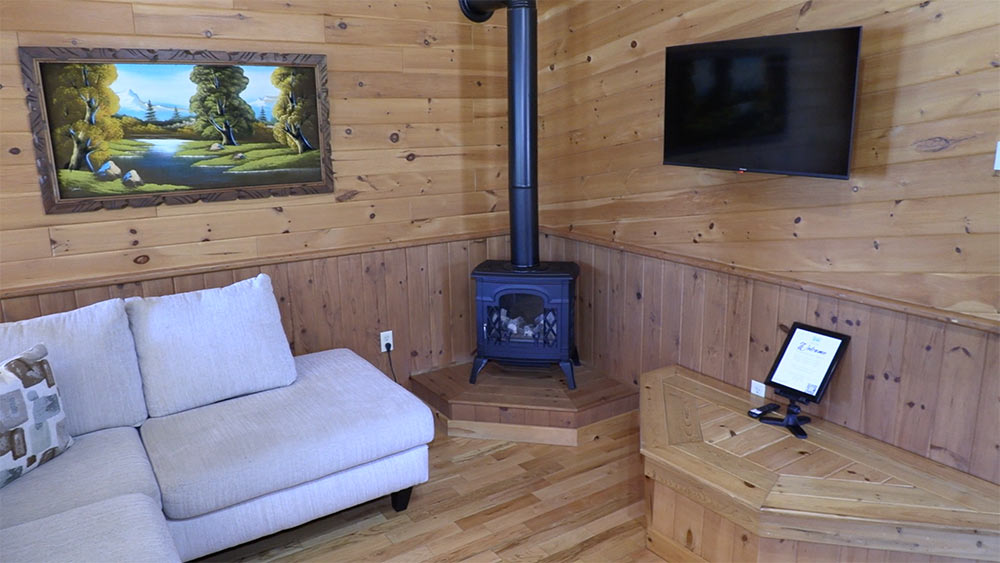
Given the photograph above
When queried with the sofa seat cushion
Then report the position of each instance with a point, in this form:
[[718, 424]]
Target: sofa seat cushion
[[123, 528], [100, 465], [92, 353], [200, 347], [340, 413]]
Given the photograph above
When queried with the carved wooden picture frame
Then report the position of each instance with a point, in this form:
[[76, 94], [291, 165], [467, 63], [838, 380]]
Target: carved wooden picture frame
[[140, 127]]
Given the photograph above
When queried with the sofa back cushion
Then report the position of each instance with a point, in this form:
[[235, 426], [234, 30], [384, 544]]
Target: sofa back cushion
[[204, 346], [93, 354]]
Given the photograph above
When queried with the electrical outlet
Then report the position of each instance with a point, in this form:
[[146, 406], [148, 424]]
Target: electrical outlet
[[757, 388], [385, 337]]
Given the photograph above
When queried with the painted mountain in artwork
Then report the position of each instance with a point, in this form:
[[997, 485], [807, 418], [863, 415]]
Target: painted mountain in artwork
[[133, 104]]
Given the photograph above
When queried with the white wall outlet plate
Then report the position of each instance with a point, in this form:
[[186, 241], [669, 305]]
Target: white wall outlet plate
[[385, 337], [757, 388]]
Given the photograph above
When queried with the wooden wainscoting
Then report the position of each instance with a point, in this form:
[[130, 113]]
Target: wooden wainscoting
[[421, 293], [924, 385]]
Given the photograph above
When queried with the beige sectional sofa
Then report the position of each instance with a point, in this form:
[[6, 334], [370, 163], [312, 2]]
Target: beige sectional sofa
[[194, 429]]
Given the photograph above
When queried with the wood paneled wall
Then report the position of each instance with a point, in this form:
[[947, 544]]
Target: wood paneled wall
[[927, 386], [918, 221], [420, 293], [418, 123]]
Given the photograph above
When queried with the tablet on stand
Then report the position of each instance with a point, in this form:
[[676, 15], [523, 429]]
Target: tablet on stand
[[802, 371]]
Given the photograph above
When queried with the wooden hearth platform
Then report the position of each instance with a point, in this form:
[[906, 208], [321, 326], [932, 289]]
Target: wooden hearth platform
[[528, 404]]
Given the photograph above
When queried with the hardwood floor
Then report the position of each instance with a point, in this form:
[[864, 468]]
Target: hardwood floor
[[489, 500]]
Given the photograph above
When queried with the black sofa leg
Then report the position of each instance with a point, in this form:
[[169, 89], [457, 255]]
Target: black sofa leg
[[401, 499]]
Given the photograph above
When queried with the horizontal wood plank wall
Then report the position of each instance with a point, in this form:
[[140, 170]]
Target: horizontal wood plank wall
[[919, 220], [418, 134], [926, 386], [420, 293]]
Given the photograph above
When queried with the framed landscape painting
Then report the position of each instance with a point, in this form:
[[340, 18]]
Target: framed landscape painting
[[117, 127]]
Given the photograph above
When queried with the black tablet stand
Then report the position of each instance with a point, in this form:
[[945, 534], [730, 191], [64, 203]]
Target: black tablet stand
[[793, 420]]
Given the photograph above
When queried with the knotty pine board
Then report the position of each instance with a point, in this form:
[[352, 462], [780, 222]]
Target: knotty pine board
[[663, 312], [927, 113], [420, 10], [339, 301], [772, 484], [418, 135], [933, 95], [908, 380], [928, 74], [701, 534]]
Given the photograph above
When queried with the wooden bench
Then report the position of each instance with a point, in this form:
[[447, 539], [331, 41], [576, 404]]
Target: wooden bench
[[721, 486]]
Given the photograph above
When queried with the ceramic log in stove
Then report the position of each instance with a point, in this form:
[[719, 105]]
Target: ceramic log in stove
[[524, 308]]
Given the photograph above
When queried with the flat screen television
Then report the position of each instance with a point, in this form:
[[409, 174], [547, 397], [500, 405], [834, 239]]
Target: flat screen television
[[782, 104]]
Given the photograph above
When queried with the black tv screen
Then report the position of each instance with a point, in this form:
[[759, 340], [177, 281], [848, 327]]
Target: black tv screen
[[782, 104]]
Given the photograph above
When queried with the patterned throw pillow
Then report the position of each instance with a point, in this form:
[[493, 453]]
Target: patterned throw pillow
[[32, 421]]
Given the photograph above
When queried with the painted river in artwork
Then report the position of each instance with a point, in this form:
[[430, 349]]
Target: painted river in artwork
[[161, 165]]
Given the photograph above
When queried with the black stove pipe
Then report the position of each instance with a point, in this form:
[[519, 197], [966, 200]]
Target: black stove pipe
[[522, 121]]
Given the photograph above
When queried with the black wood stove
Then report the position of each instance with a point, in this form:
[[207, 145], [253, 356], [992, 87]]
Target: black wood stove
[[524, 308], [525, 318]]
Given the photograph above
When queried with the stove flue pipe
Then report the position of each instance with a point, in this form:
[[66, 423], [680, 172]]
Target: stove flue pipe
[[522, 121]]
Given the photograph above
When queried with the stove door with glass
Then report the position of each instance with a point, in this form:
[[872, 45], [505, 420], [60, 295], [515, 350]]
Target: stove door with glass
[[525, 318]]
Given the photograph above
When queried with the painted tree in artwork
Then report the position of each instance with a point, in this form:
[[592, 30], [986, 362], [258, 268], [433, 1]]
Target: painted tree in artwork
[[262, 116], [217, 104], [150, 111], [80, 104], [295, 111]]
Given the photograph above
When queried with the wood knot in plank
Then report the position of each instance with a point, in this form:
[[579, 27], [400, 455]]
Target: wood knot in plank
[[963, 349], [348, 195], [937, 144]]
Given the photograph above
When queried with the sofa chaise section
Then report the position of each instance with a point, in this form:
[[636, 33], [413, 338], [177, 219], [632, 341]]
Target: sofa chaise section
[[342, 421], [294, 506]]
